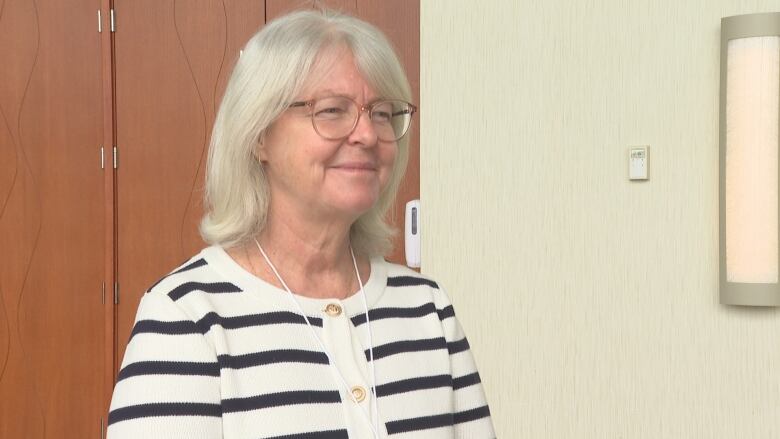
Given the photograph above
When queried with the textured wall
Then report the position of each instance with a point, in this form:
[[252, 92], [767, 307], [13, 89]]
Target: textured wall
[[590, 301]]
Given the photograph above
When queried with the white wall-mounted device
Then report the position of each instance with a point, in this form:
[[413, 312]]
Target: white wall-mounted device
[[637, 163], [412, 234]]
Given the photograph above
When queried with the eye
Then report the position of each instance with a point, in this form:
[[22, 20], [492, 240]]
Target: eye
[[333, 108], [380, 116], [382, 112], [330, 112]]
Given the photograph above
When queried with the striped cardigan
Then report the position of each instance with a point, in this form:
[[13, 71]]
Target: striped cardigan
[[218, 353]]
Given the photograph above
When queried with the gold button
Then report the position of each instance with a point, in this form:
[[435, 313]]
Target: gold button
[[333, 310], [358, 393]]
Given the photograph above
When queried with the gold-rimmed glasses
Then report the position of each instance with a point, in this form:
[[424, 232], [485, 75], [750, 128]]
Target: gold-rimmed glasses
[[335, 117]]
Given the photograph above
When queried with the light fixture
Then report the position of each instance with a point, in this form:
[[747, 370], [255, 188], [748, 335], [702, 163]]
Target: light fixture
[[749, 145]]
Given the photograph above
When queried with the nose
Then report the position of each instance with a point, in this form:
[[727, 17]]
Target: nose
[[364, 134]]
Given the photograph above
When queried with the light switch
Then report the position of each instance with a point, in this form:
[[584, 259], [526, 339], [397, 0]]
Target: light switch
[[637, 163]]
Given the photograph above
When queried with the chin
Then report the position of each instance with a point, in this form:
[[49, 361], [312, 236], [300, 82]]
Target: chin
[[356, 207], [360, 209]]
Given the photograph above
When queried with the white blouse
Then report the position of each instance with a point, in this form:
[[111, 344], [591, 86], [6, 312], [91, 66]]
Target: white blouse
[[218, 353]]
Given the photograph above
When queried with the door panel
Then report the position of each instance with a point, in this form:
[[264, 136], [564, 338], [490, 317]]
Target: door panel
[[205, 59], [51, 220], [275, 8], [172, 63]]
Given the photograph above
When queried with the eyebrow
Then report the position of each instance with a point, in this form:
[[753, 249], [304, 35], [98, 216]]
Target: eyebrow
[[330, 92], [326, 93]]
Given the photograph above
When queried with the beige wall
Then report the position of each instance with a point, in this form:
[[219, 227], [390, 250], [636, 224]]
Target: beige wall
[[590, 301]]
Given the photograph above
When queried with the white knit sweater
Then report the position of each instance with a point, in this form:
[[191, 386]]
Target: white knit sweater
[[218, 353]]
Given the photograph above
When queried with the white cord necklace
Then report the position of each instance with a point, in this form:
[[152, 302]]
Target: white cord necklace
[[374, 401]]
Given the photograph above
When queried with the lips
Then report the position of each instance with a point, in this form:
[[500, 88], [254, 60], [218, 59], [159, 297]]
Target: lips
[[356, 166]]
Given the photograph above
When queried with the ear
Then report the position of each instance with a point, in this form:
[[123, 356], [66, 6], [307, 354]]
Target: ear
[[260, 152]]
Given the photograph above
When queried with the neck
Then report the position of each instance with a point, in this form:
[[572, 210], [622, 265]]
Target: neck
[[315, 249], [314, 259]]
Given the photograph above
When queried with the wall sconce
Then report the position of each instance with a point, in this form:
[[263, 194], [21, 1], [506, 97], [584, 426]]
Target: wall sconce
[[749, 146]]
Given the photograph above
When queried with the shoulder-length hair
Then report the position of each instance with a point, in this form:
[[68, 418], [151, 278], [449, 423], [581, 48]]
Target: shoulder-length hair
[[275, 65]]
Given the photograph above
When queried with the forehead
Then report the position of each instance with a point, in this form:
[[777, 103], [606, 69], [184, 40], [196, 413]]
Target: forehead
[[335, 73]]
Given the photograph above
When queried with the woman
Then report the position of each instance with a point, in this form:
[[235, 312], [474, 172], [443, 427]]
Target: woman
[[291, 325]]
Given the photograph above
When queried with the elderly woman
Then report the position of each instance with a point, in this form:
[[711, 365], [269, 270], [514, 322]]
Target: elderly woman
[[291, 325]]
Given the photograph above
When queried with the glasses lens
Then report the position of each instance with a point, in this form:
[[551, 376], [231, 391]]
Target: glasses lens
[[391, 119], [334, 117]]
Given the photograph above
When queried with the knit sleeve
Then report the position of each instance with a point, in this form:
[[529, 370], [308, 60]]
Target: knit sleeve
[[471, 415], [168, 385]]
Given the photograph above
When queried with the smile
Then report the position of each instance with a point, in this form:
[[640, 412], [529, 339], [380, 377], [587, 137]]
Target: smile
[[356, 167]]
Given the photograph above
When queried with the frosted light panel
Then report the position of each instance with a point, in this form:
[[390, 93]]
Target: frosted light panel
[[752, 104]]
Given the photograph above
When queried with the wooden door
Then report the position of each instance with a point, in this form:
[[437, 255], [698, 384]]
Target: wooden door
[[51, 220], [172, 62], [173, 59]]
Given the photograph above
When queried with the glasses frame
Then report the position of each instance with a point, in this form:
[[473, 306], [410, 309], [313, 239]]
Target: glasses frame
[[361, 109]]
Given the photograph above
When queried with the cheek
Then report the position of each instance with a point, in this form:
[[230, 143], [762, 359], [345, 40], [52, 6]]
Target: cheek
[[388, 154], [387, 157]]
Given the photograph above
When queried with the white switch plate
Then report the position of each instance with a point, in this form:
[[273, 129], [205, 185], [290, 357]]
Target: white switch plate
[[637, 163], [412, 235]]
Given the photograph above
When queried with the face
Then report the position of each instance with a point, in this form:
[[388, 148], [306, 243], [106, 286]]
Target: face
[[326, 179]]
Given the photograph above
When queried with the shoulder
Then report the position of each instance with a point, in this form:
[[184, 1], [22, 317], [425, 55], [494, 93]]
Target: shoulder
[[403, 278], [194, 280]]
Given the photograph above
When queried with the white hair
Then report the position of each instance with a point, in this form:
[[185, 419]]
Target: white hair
[[275, 65]]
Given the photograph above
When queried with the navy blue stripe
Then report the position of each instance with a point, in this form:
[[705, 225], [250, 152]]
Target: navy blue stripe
[[399, 347], [168, 368], [472, 415], [389, 313], [410, 281], [233, 405], [436, 421], [164, 409], [236, 322], [446, 313], [203, 325], [421, 423], [465, 381], [166, 328], [458, 346], [216, 287], [199, 263], [413, 384], [330, 434], [271, 357]]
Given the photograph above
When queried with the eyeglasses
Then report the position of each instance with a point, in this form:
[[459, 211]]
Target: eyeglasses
[[336, 117]]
